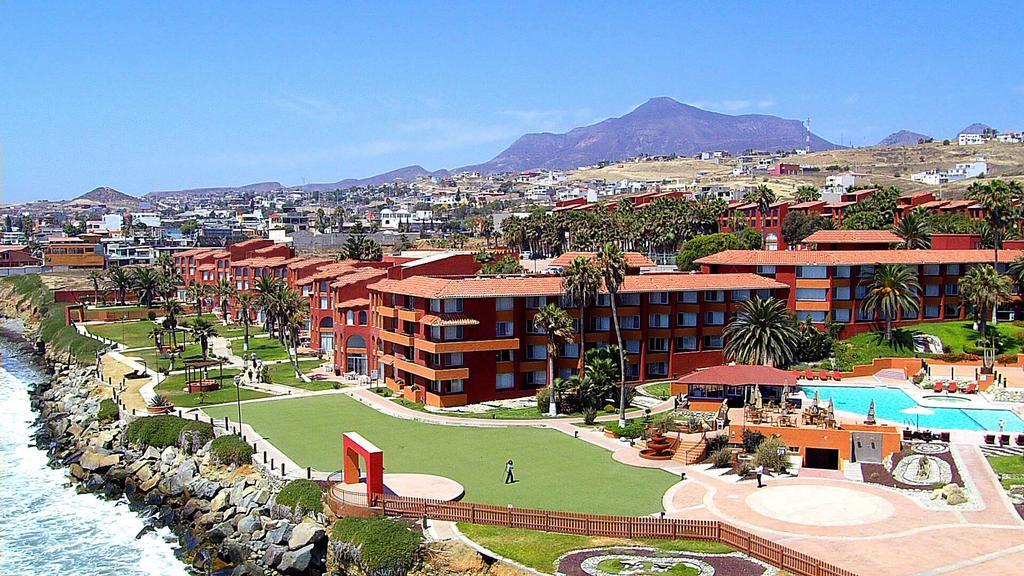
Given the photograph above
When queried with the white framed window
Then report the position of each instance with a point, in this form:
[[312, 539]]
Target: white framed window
[[714, 318], [657, 298], [453, 332], [687, 297], [536, 352], [766, 270], [537, 378], [841, 315], [811, 272], [504, 381], [454, 359], [932, 290], [841, 293], [571, 350], [657, 368], [456, 386], [714, 296], [686, 319], [812, 294], [816, 316], [504, 329], [740, 295], [841, 272], [435, 304], [629, 322], [686, 343], [600, 323], [712, 342], [603, 299], [453, 305], [657, 344], [324, 304], [629, 299], [930, 270], [536, 302], [504, 303], [631, 346], [658, 320]]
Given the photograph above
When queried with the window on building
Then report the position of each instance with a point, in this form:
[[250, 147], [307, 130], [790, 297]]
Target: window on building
[[504, 329], [536, 302], [931, 311], [537, 378], [841, 315], [932, 290], [864, 314], [841, 293], [504, 303], [861, 291], [841, 272], [816, 316], [532, 328], [603, 300], [631, 346], [629, 322], [686, 343], [766, 270], [600, 323], [571, 350], [714, 318], [866, 271], [454, 359], [536, 352], [812, 294], [910, 314], [811, 272], [324, 303], [504, 381], [686, 319], [452, 305], [712, 342], [453, 333], [504, 356], [714, 295], [657, 298], [435, 304], [687, 298], [350, 317], [629, 299], [657, 344], [952, 289], [657, 369], [363, 320], [632, 371], [740, 295], [658, 321], [456, 386], [930, 270], [952, 269]]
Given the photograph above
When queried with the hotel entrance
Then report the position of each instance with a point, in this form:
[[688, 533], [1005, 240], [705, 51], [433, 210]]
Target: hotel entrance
[[823, 458]]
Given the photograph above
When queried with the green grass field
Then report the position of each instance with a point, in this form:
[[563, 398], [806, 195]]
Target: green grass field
[[959, 336], [540, 550], [284, 373], [554, 470], [173, 388], [264, 348], [1011, 467], [133, 334], [660, 390], [527, 413], [155, 362]]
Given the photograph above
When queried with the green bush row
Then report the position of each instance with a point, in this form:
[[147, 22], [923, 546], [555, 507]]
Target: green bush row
[[165, 430], [378, 545], [108, 411], [304, 493], [631, 430], [231, 449]]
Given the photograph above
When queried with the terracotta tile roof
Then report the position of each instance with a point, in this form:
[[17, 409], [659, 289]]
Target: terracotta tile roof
[[196, 251], [933, 204], [259, 262], [449, 320], [633, 259], [740, 375], [808, 204], [853, 237], [248, 243], [498, 286], [358, 275], [354, 303], [329, 272], [855, 257], [840, 204], [207, 267]]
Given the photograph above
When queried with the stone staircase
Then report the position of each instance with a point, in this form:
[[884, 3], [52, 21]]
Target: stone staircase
[[690, 451]]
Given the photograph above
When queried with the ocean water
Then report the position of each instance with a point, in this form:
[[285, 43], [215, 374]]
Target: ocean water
[[45, 526]]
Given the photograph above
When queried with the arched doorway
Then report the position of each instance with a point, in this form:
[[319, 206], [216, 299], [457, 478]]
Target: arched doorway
[[327, 334], [355, 355]]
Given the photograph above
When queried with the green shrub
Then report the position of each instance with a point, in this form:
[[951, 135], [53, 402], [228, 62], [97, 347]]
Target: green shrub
[[751, 440], [379, 546], [767, 455], [382, 391], [108, 411], [231, 449], [304, 494], [165, 430], [631, 430], [716, 443], [744, 470], [608, 409], [721, 458], [542, 400]]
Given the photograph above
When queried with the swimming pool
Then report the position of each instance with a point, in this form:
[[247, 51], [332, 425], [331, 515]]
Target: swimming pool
[[889, 402]]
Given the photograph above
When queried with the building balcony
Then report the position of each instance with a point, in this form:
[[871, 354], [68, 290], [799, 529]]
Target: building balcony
[[446, 400], [431, 373], [466, 345], [386, 312], [395, 338], [410, 315]]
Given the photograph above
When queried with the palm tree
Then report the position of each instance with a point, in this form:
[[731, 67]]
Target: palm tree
[[581, 281], [1016, 273], [97, 277], [294, 314], [121, 280], [763, 332], [612, 264], [557, 325], [196, 292], [892, 290], [764, 197], [172, 308], [166, 263], [245, 304], [156, 334], [146, 281], [224, 290], [202, 330], [915, 229], [267, 299], [997, 198], [984, 288]]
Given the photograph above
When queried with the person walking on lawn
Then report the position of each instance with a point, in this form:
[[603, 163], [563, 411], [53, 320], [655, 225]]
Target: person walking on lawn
[[510, 477]]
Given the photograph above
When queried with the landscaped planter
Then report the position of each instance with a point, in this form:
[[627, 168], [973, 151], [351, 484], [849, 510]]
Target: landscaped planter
[[160, 409], [610, 434]]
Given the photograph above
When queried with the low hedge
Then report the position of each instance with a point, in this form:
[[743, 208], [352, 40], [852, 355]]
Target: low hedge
[[231, 449], [304, 493], [108, 411], [379, 546], [631, 430], [165, 430]]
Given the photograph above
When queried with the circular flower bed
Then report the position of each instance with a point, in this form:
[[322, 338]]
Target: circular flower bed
[[648, 561]]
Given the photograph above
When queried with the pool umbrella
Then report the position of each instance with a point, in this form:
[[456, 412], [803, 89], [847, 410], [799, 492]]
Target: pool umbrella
[[814, 403], [871, 413], [785, 393], [758, 403], [918, 411]]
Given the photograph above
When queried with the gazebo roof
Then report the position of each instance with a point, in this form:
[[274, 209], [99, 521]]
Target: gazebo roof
[[203, 363], [740, 375]]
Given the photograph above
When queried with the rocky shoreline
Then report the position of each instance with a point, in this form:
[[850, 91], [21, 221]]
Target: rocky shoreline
[[226, 517]]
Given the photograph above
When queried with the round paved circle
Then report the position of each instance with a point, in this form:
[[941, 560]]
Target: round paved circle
[[819, 505]]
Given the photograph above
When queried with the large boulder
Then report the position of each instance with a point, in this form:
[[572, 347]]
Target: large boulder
[[144, 473], [96, 461], [272, 557], [168, 455], [150, 484], [248, 524], [220, 501], [172, 486], [306, 533], [296, 561], [221, 531], [279, 534], [233, 551]]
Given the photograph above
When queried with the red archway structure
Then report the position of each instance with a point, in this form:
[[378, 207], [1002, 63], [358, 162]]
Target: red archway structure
[[354, 447]]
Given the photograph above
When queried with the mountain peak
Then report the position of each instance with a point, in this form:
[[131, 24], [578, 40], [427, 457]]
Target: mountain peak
[[976, 128], [903, 138], [108, 195]]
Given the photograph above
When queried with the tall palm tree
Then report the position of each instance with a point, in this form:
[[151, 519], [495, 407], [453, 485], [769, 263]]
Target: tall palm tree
[[581, 281], [915, 229], [612, 264], [764, 197], [997, 198], [267, 299], [172, 308], [168, 283], [294, 313], [984, 288], [245, 304], [96, 277], [166, 263], [146, 281], [557, 326], [763, 332], [224, 290], [892, 290], [196, 292], [202, 330], [122, 281], [1016, 273]]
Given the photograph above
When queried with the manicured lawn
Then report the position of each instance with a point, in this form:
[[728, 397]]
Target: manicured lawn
[[133, 334], [554, 470], [1011, 467], [264, 348], [173, 388], [284, 373], [540, 550], [527, 413], [225, 330], [155, 362], [959, 336], [662, 390]]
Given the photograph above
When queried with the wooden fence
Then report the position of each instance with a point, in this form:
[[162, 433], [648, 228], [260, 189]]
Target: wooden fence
[[632, 527]]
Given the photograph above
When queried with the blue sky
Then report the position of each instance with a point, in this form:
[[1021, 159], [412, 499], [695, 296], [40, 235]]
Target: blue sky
[[143, 97]]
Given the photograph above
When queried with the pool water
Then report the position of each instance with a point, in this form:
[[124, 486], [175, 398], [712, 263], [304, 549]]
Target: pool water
[[889, 403]]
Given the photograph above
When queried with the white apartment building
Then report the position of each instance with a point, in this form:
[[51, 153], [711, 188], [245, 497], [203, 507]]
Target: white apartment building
[[970, 139]]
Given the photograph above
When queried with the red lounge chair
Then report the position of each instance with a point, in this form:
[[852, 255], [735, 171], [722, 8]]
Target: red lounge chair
[[952, 387], [809, 374], [837, 376], [972, 388], [823, 375], [939, 385]]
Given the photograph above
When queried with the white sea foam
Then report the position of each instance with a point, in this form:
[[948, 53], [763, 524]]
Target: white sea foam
[[45, 526]]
